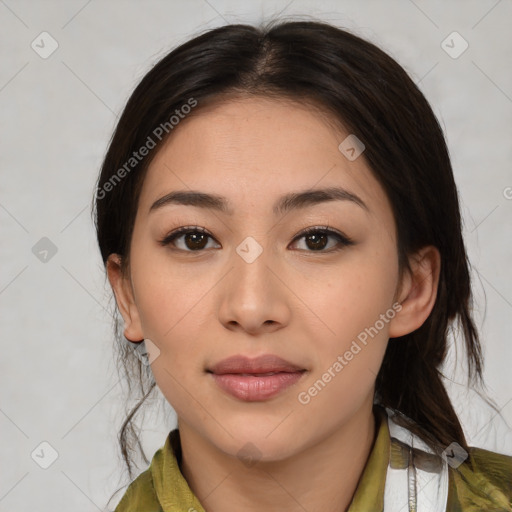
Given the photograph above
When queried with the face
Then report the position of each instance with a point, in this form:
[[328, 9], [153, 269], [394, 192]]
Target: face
[[245, 280]]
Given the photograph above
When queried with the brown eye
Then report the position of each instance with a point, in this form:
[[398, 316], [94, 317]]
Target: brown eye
[[192, 239], [317, 239], [195, 240]]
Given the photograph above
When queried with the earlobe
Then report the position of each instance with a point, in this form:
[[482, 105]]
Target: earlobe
[[123, 292], [418, 292]]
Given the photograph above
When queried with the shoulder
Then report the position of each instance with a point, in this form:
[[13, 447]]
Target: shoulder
[[140, 495], [482, 482]]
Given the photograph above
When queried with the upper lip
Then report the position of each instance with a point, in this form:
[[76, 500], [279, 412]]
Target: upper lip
[[267, 363]]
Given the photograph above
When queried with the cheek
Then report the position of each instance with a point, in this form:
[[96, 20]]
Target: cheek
[[171, 306], [171, 302], [352, 297], [165, 292], [355, 308], [349, 355]]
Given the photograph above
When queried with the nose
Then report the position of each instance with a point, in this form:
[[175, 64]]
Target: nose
[[253, 297]]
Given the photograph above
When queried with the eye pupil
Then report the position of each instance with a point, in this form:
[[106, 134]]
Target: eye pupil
[[315, 237], [194, 237]]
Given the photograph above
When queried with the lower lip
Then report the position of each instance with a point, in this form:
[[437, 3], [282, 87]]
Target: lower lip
[[256, 388]]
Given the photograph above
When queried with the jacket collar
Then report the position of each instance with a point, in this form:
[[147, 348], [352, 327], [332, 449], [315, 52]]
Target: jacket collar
[[174, 493]]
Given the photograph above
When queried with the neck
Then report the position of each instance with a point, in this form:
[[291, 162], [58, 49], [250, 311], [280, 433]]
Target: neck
[[321, 477]]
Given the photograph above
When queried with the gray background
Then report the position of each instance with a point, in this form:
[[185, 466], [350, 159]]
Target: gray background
[[59, 383]]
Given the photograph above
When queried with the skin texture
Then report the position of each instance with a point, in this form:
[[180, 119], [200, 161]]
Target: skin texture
[[304, 305]]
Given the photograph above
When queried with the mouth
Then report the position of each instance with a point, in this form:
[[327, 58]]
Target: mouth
[[264, 364], [255, 380]]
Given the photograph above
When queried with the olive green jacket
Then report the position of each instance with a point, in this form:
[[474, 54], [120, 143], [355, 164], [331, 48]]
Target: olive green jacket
[[483, 482]]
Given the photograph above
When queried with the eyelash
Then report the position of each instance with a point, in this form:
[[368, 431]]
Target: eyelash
[[344, 241]]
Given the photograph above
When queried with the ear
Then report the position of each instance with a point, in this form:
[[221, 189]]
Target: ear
[[417, 292], [123, 292]]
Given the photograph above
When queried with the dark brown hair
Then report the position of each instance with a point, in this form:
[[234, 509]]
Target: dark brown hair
[[367, 91]]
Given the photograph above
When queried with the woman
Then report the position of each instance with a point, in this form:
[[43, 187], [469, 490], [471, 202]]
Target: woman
[[280, 225]]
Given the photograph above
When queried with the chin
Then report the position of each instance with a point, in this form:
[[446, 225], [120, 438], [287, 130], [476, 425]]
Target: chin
[[259, 443], [252, 451]]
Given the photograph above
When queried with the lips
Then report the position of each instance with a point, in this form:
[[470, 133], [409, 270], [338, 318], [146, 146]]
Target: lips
[[255, 380], [266, 364]]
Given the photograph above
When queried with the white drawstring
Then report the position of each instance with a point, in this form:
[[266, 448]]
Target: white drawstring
[[415, 487], [411, 475]]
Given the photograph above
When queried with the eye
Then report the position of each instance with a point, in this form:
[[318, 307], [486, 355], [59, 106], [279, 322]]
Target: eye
[[316, 238], [195, 238]]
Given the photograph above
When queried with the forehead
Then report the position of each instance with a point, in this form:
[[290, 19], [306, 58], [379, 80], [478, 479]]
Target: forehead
[[255, 149]]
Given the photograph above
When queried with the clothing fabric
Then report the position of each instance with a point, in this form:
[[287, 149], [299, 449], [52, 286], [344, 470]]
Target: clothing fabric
[[400, 472]]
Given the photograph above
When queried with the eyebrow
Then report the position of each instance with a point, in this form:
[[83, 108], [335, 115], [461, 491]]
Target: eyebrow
[[284, 204]]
